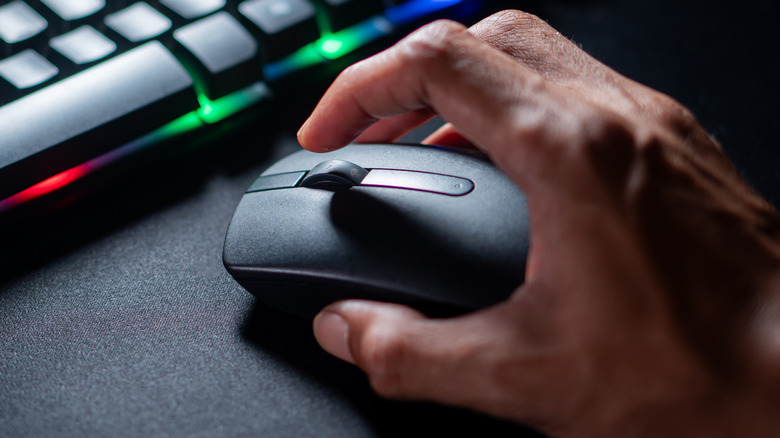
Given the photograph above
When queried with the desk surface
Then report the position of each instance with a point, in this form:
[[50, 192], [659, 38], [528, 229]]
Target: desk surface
[[125, 323]]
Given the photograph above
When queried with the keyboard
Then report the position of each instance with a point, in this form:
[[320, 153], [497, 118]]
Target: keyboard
[[87, 83]]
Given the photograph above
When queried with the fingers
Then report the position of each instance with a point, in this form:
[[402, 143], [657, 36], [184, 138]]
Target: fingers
[[441, 68], [510, 32], [386, 86], [511, 70]]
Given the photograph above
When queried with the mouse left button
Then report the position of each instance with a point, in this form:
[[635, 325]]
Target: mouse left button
[[276, 181]]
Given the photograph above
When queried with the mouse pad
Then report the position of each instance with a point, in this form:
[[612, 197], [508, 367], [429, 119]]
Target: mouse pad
[[121, 320]]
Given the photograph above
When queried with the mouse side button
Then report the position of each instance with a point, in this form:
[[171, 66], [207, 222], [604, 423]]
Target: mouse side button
[[422, 181]]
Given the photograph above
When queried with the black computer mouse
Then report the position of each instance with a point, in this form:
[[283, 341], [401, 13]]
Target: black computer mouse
[[439, 229]]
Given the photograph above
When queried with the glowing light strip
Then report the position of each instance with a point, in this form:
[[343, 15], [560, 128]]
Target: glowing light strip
[[46, 186], [185, 123], [416, 9], [210, 112], [328, 47], [304, 57], [213, 111], [336, 45]]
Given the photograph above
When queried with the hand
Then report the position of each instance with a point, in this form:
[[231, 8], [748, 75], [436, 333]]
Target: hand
[[652, 295]]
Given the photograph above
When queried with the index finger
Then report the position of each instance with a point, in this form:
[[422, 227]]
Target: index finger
[[491, 99]]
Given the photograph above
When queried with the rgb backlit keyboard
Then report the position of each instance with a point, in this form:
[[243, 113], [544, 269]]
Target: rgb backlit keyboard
[[84, 83]]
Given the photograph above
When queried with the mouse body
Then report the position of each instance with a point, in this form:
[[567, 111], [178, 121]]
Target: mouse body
[[439, 229]]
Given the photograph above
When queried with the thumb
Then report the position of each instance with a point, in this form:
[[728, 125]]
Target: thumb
[[409, 356], [349, 325]]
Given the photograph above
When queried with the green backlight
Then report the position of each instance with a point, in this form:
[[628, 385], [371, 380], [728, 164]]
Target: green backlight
[[331, 46], [186, 123], [213, 111], [338, 44]]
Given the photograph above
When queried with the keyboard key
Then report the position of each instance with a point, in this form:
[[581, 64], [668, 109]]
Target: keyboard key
[[83, 45], [284, 25], [27, 69], [221, 65], [90, 113], [138, 22], [71, 10], [19, 22], [344, 13], [191, 9]]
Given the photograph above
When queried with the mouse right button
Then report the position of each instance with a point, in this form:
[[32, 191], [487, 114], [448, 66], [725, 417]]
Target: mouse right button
[[422, 181]]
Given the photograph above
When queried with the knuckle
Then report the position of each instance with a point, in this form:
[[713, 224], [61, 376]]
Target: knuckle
[[440, 29], [607, 133], [387, 386], [513, 20], [610, 148], [683, 119], [356, 70], [518, 33], [349, 72], [435, 41], [672, 114], [382, 354]]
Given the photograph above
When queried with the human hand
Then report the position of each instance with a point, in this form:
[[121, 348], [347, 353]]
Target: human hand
[[651, 301]]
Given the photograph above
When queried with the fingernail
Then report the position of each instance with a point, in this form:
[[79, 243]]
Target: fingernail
[[331, 331]]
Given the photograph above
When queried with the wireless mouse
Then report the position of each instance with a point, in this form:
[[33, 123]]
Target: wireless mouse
[[439, 229]]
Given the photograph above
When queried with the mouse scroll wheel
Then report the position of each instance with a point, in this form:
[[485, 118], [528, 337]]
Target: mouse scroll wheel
[[334, 175]]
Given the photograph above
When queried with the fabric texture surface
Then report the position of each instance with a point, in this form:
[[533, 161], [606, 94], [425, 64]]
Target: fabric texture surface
[[132, 327]]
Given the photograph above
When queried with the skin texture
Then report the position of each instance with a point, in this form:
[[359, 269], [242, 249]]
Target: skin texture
[[652, 298]]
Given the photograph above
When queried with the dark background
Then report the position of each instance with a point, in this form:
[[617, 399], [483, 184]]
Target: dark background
[[119, 319]]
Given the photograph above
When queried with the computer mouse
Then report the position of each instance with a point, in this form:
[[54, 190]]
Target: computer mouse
[[438, 229]]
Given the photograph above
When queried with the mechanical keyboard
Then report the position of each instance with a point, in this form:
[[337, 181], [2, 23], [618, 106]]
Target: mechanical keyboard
[[85, 83]]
